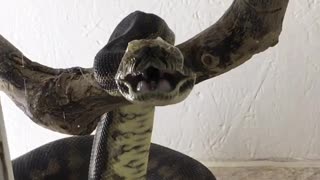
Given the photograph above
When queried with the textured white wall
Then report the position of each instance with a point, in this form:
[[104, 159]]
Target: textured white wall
[[267, 108]]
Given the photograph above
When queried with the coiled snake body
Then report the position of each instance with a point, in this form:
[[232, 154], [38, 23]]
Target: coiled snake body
[[141, 64]]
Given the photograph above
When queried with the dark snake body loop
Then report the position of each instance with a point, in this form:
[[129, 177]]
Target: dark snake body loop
[[68, 159]]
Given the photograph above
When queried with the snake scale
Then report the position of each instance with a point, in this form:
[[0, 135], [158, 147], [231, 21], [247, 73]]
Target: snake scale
[[140, 63]]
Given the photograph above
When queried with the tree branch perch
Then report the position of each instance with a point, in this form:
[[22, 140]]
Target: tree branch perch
[[248, 27], [70, 101], [64, 100]]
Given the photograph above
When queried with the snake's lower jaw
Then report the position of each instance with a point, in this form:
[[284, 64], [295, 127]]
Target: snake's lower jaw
[[156, 93]]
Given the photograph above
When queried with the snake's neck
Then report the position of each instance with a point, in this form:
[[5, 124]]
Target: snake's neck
[[121, 145]]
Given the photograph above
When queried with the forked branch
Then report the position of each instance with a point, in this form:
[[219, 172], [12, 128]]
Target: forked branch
[[248, 27], [70, 101]]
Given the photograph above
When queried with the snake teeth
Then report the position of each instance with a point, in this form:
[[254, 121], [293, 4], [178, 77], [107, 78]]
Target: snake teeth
[[143, 87], [164, 85]]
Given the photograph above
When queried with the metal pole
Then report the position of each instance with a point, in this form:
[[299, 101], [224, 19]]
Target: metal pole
[[6, 172]]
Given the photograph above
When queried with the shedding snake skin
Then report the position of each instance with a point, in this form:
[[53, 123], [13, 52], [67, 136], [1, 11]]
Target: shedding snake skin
[[141, 64]]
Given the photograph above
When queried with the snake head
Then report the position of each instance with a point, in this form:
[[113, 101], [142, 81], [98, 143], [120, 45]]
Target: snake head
[[152, 72]]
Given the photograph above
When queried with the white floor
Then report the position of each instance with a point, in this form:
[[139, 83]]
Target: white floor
[[266, 173]]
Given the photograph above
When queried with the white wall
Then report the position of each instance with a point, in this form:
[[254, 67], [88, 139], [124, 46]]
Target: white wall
[[267, 108]]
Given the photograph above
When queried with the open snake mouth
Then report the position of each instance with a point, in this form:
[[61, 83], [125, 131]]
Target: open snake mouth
[[153, 80], [155, 86], [153, 72]]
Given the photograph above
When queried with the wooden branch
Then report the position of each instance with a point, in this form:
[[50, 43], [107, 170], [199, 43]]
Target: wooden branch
[[248, 27], [70, 101], [64, 100]]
